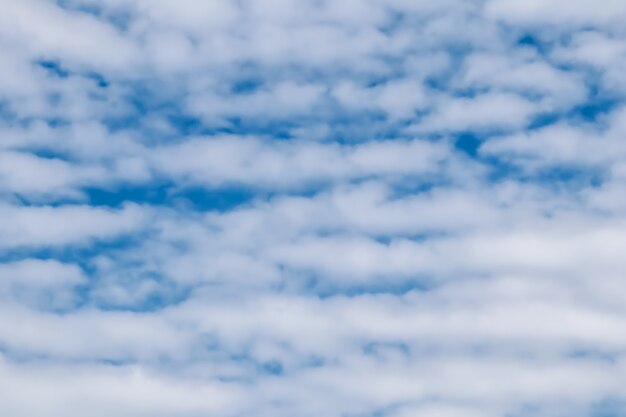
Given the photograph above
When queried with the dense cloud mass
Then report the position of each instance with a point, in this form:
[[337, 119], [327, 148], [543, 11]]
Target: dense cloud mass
[[307, 208]]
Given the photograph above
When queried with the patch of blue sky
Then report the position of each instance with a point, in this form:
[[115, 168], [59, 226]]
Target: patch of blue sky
[[89, 7], [246, 85], [378, 286], [273, 367], [324, 288], [468, 142], [534, 40], [545, 119], [381, 349], [195, 198], [406, 185], [555, 177], [594, 110], [118, 17], [53, 122], [51, 153], [57, 69], [54, 68], [99, 79], [80, 253], [567, 176], [167, 295], [599, 104], [270, 128]]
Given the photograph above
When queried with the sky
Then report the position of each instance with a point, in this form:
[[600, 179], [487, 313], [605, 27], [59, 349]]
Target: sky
[[312, 208]]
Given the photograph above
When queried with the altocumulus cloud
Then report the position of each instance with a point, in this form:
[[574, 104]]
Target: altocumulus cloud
[[280, 208]]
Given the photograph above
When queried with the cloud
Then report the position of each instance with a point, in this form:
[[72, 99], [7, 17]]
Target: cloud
[[306, 208], [45, 30], [486, 111], [579, 12], [254, 161], [71, 224], [46, 283]]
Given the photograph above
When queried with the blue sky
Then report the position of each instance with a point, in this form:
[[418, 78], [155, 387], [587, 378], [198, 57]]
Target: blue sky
[[280, 208]]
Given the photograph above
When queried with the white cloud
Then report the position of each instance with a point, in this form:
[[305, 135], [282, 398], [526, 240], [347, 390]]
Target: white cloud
[[251, 160], [486, 111], [40, 283], [239, 208], [46, 31], [66, 225], [536, 12]]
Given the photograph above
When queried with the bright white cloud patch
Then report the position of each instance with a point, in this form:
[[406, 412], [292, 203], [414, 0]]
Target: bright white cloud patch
[[363, 208]]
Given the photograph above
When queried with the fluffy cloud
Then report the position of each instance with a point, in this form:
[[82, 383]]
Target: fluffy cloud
[[279, 208]]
